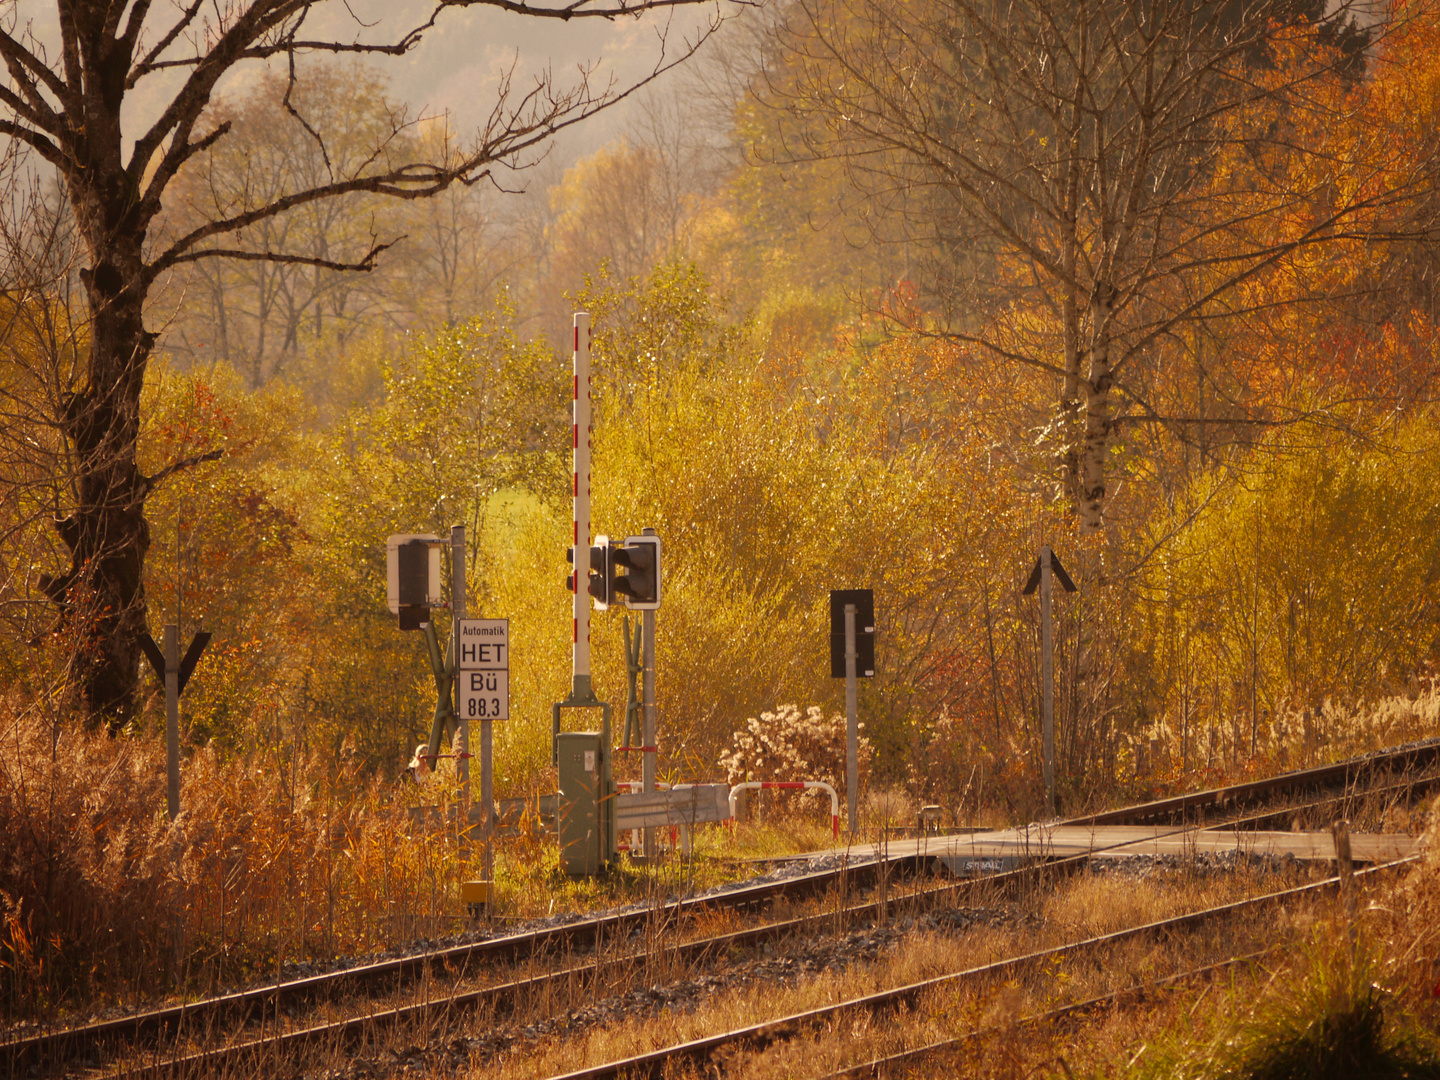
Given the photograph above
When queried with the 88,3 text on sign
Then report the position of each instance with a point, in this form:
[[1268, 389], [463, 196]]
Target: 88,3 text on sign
[[485, 695]]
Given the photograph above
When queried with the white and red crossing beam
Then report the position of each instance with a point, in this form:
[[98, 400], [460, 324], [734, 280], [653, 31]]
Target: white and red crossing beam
[[580, 600], [790, 785]]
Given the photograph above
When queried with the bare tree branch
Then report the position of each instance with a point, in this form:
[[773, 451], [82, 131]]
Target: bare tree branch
[[362, 265], [155, 480], [150, 62], [34, 139]]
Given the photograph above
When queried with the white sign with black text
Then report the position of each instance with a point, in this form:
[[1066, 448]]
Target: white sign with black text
[[484, 669]]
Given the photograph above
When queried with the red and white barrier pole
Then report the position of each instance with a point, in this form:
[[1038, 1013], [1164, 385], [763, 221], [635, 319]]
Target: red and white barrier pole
[[580, 601], [791, 785]]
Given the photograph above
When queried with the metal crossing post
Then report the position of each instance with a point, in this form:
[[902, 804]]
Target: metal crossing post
[[647, 705], [852, 725], [174, 673], [172, 720], [1047, 678], [1040, 578], [457, 613]]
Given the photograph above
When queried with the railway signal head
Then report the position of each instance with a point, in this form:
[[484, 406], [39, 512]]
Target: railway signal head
[[639, 584], [601, 572], [597, 576], [412, 571]]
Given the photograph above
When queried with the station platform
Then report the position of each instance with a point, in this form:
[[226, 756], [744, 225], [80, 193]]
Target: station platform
[[1003, 849]]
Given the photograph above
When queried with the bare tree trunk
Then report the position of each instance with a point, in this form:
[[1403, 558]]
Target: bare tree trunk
[[1099, 421], [1070, 203], [994, 666], [102, 595]]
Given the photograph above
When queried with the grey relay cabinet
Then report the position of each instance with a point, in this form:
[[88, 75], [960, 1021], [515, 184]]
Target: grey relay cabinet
[[587, 802]]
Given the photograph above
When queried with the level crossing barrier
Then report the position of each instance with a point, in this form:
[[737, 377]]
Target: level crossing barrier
[[791, 785]]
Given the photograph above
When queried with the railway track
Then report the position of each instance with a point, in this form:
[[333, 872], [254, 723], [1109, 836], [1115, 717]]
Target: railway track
[[263, 1005], [887, 1065], [504, 999], [498, 1000], [113, 1039], [699, 1051], [1340, 776]]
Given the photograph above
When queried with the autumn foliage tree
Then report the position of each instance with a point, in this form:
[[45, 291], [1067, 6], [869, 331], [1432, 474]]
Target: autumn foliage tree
[[1093, 183], [71, 102], [41, 340]]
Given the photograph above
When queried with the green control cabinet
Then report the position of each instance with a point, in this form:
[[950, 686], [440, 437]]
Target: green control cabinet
[[587, 803]]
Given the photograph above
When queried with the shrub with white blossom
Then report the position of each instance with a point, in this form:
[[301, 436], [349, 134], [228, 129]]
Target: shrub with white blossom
[[788, 744]]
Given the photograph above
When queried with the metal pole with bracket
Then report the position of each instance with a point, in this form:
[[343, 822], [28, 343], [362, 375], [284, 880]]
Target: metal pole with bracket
[[457, 613], [1047, 679], [647, 705], [173, 672], [172, 720], [1045, 565], [852, 724], [852, 657]]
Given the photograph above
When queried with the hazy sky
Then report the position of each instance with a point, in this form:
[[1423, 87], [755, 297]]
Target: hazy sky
[[458, 63]]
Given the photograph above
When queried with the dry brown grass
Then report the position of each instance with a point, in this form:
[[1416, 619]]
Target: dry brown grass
[[1084, 907], [1217, 751], [275, 860], [102, 899]]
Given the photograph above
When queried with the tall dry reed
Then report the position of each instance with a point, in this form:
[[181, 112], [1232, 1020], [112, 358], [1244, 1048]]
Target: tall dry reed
[[276, 857]]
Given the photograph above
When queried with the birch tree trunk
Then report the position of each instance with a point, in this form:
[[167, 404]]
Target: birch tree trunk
[[1099, 422]]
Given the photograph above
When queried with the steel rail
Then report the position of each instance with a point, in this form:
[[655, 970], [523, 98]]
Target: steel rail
[[1414, 788], [501, 999], [504, 997], [156, 1025], [879, 1067], [1341, 773], [264, 1002], [653, 1064]]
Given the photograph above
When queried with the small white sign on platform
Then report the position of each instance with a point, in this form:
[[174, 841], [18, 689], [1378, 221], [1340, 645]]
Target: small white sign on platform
[[484, 669]]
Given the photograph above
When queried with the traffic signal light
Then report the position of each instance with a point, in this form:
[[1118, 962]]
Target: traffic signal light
[[639, 558], [627, 573], [412, 570], [597, 582], [600, 572]]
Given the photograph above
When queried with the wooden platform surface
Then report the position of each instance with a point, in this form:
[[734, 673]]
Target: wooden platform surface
[[1127, 841]]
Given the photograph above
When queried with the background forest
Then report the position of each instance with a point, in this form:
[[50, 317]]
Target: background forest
[[798, 390], [885, 295]]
